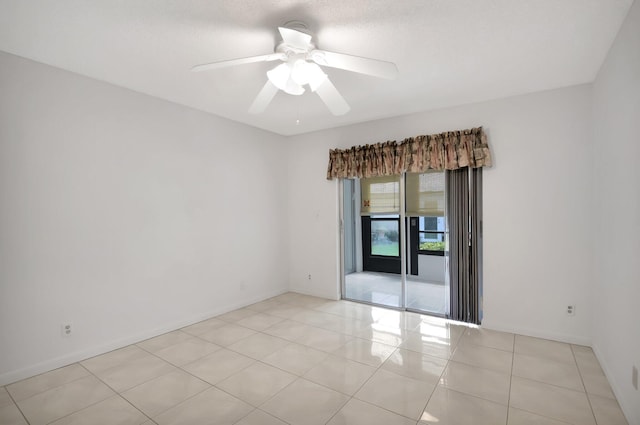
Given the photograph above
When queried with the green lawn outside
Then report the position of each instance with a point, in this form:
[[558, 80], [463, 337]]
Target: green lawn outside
[[388, 249]]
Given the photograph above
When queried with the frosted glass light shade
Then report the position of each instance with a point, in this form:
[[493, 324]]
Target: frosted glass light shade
[[280, 76], [304, 72]]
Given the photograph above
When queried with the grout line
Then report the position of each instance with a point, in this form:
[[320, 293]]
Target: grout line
[[16, 404], [48, 389], [513, 361], [583, 384], [353, 313]]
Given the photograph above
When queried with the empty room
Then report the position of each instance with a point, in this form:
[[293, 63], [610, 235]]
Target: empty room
[[417, 212]]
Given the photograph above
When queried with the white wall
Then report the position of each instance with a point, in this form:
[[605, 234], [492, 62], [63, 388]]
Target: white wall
[[537, 207], [616, 192], [126, 215]]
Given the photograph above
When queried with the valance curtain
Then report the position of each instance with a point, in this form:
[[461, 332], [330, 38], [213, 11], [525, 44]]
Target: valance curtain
[[445, 151]]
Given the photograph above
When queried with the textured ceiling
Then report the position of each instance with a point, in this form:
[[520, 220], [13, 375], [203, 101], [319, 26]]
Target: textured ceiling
[[448, 52]]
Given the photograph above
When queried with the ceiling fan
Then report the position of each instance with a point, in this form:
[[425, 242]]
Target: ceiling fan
[[300, 66]]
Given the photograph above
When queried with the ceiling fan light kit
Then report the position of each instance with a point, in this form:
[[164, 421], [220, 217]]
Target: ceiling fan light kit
[[300, 67]]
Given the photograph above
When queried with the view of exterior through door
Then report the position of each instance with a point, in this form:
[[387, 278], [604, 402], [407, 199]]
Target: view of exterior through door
[[377, 217], [381, 244]]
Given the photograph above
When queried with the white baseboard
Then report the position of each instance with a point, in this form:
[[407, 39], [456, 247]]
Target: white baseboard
[[318, 294], [571, 339], [615, 387], [76, 356]]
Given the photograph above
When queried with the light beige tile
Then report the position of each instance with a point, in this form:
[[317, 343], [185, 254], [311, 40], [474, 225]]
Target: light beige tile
[[129, 374], [432, 345], [236, 315], [264, 305], [57, 402], [443, 331], [415, 365], [489, 338], [10, 415], [257, 383], [287, 297], [593, 376], [288, 329], [226, 335], [597, 384], [308, 301], [401, 319], [607, 411], [5, 398], [365, 351], [211, 407], [218, 365], [114, 358], [380, 334], [284, 310], [159, 394], [544, 348], [165, 340], [259, 346], [521, 417], [258, 417], [324, 340], [340, 374], [586, 360], [296, 358], [352, 310], [484, 383], [551, 401], [112, 411], [187, 351], [548, 371], [399, 394], [205, 326], [46, 381], [345, 326], [259, 321], [451, 407], [313, 318], [481, 356], [357, 412], [305, 403]]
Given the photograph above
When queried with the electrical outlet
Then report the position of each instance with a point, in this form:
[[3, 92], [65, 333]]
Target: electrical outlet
[[309, 277], [634, 377], [571, 310], [66, 329]]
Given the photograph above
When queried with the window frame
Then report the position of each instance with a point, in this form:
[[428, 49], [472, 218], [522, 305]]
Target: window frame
[[439, 232]]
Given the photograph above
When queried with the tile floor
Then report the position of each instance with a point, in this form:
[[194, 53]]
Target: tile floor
[[299, 360], [386, 289]]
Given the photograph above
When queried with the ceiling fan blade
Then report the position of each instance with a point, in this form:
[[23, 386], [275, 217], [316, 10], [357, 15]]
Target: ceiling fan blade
[[241, 61], [263, 98], [332, 98], [295, 38], [367, 66]]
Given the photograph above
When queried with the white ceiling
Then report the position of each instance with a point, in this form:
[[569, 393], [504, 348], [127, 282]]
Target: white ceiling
[[448, 52]]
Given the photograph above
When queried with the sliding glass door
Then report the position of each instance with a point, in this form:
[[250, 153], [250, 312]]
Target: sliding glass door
[[378, 239], [414, 242], [427, 289], [397, 226]]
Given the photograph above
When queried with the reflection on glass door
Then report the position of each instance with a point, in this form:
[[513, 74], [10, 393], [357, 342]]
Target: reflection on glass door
[[427, 289], [377, 238]]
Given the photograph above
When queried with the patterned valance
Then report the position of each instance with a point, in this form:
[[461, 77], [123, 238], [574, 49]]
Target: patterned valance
[[450, 150]]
